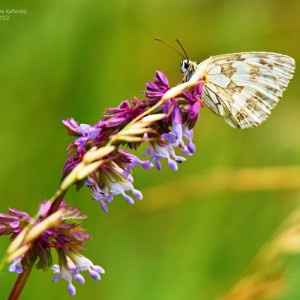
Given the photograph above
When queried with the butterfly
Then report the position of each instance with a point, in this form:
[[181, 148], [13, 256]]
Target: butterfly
[[243, 87]]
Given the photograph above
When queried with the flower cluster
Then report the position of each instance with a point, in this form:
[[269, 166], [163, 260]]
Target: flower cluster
[[71, 266], [67, 238], [114, 176], [98, 161]]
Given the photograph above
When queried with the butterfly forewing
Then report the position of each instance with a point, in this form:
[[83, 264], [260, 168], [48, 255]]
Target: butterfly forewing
[[244, 87]]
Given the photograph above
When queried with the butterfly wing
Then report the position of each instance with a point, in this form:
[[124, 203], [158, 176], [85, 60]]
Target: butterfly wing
[[244, 87]]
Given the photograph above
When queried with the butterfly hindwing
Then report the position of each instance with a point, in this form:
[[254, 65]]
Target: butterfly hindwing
[[244, 87]]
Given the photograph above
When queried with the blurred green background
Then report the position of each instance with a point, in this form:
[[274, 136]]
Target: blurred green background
[[75, 58]]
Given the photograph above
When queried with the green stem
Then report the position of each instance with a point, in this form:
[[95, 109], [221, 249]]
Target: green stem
[[20, 283]]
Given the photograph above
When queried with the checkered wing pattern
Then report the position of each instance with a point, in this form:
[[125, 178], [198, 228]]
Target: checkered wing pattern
[[244, 87]]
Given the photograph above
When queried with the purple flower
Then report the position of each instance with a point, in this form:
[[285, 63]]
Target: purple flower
[[114, 175], [114, 178], [16, 265], [192, 108], [72, 127], [70, 164], [175, 138], [71, 266], [158, 152], [155, 90], [121, 115], [182, 111], [67, 237], [85, 132], [14, 222], [134, 161]]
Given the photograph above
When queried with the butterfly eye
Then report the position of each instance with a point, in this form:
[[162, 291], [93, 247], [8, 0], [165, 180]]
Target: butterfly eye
[[186, 65]]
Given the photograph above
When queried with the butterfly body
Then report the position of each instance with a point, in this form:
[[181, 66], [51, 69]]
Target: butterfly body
[[242, 87]]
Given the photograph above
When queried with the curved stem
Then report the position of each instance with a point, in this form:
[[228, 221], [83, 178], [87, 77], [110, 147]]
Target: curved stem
[[20, 283]]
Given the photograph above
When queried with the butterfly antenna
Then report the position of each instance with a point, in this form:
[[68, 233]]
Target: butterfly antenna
[[160, 40], [182, 48]]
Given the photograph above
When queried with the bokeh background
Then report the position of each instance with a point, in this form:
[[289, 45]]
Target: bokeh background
[[75, 58]]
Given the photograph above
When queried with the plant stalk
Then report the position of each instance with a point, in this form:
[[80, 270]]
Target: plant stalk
[[20, 283]]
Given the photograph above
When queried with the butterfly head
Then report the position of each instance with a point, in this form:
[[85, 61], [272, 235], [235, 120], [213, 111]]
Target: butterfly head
[[188, 68]]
